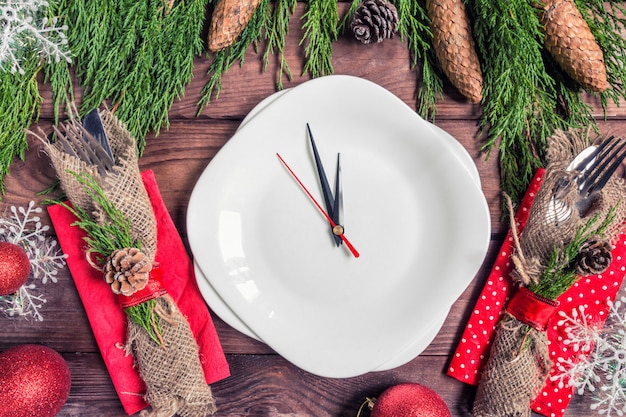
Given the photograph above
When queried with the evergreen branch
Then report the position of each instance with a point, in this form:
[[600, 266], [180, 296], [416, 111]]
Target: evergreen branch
[[102, 239], [414, 28], [60, 80], [276, 34], [141, 60], [320, 25], [519, 95], [560, 274], [223, 60], [143, 314], [430, 89], [19, 106]]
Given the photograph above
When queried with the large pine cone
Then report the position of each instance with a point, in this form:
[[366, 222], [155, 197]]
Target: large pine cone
[[374, 20], [454, 46], [570, 41], [127, 271], [594, 257]]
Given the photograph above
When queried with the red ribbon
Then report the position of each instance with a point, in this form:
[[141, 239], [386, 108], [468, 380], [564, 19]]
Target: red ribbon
[[153, 289], [531, 309]]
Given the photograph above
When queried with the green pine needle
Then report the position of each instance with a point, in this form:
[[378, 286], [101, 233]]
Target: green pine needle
[[19, 107], [560, 273], [414, 29], [143, 314], [276, 34], [140, 59], [519, 95], [320, 25], [102, 238]]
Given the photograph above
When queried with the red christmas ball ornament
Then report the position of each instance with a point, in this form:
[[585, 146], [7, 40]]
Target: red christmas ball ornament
[[409, 400], [14, 267], [34, 382]]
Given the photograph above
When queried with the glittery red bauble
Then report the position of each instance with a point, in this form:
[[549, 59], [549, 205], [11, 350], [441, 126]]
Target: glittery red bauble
[[34, 382], [14, 267], [410, 400]]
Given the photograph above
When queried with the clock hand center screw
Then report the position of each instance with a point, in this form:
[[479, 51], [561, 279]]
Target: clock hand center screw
[[338, 230]]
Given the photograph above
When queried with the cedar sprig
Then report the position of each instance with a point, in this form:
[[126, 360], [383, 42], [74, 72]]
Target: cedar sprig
[[560, 273], [276, 34], [102, 238], [414, 29], [139, 59], [143, 314], [320, 25], [519, 95], [224, 59], [19, 106]]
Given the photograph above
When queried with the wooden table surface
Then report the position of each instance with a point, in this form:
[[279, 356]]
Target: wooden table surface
[[262, 383]]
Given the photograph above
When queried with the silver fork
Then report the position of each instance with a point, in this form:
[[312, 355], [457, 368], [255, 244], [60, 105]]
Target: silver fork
[[88, 142], [596, 169]]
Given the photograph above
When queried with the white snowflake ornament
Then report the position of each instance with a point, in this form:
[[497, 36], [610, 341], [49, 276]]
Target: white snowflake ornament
[[23, 228], [600, 368], [25, 30]]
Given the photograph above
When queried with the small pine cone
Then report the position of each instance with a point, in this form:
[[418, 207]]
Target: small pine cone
[[454, 46], [127, 271], [571, 43], [374, 20], [594, 256]]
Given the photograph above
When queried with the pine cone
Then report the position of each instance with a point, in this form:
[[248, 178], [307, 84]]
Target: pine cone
[[229, 19], [127, 271], [374, 20], [571, 43], [454, 46], [594, 256]]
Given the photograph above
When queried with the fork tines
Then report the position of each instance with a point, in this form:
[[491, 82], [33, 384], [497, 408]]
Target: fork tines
[[604, 161]]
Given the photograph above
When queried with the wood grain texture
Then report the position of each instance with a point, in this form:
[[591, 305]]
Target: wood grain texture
[[262, 383]]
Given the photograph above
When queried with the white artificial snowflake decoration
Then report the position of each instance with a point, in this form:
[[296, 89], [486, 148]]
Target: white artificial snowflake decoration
[[600, 367], [25, 30], [24, 229]]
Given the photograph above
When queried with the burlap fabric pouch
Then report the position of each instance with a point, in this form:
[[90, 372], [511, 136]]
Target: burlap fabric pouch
[[172, 371], [519, 361]]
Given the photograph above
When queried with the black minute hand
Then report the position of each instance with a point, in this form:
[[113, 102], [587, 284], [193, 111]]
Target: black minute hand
[[328, 196]]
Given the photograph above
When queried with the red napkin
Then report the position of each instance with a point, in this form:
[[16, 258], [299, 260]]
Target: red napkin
[[107, 319], [592, 292]]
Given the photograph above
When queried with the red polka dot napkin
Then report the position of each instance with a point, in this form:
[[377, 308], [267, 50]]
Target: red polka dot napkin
[[590, 292]]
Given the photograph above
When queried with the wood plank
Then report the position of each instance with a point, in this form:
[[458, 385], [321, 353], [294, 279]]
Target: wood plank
[[266, 385]]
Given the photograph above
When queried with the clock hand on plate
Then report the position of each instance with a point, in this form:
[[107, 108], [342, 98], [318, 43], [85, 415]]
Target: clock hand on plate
[[337, 205], [336, 228], [332, 204]]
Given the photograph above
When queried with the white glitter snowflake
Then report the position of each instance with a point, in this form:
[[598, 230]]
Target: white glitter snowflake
[[23, 228], [26, 31], [600, 367]]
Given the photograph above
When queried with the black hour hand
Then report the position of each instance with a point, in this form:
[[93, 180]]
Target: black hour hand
[[333, 205]]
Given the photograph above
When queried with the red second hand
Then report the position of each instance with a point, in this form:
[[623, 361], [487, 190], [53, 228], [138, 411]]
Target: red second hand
[[332, 223]]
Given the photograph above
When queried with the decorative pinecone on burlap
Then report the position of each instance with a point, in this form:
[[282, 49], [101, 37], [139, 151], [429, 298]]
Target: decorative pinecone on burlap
[[570, 41], [127, 271], [594, 257], [374, 21], [454, 46]]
